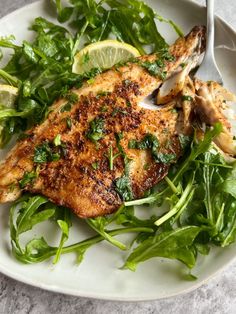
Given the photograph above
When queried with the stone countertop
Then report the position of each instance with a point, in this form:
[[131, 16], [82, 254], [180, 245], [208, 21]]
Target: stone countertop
[[218, 296]]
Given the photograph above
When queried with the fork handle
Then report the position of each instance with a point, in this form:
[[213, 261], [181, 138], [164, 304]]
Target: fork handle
[[210, 28]]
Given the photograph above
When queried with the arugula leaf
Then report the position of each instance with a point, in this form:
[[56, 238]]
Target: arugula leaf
[[36, 209], [28, 216], [37, 250], [64, 224], [176, 244], [99, 224]]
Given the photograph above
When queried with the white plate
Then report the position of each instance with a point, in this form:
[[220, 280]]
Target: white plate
[[99, 275]]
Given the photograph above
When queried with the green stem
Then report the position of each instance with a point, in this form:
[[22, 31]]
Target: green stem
[[171, 185], [9, 78], [182, 203], [99, 238], [78, 38], [106, 236], [219, 219], [141, 201]]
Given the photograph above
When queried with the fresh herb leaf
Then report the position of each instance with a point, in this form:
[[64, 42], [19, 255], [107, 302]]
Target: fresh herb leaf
[[96, 129], [48, 152], [164, 158], [27, 179], [57, 140], [124, 188], [176, 244], [95, 165], [69, 123], [149, 141]]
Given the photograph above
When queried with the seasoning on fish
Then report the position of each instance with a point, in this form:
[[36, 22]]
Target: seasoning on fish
[[103, 148]]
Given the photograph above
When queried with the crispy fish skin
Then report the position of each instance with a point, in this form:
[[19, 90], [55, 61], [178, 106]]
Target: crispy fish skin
[[113, 98]]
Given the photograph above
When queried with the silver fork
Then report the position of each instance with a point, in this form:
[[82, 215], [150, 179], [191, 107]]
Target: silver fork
[[208, 70]]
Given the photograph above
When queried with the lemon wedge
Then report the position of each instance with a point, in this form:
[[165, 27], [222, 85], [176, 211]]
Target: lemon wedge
[[103, 55], [8, 95]]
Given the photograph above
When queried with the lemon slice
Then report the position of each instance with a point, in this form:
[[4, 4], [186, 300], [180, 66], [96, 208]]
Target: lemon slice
[[8, 95], [103, 55]]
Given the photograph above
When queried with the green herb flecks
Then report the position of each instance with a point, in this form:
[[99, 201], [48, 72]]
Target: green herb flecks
[[95, 165], [151, 142], [124, 188], [57, 140], [96, 129], [69, 123], [184, 140], [27, 179], [72, 99], [123, 184], [118, 110], [157, 67], [48, 152], [187, 98]]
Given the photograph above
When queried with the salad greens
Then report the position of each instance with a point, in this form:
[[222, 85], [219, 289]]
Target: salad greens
[[42, 70], [201, 198], [199, 192]]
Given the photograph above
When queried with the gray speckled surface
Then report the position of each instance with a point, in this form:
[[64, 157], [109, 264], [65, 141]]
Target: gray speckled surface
[[218, 296]]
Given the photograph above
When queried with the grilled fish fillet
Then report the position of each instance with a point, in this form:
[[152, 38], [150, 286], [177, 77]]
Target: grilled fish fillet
[[92, 166]]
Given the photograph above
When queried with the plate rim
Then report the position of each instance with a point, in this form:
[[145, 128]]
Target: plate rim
[[96, 295]]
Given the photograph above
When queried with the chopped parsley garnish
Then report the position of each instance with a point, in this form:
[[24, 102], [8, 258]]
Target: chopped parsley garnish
[[164, 157], [27, 178], [44, 153], [184, 140], [128, 103], [68, 123], [57, 140], [66, 107], [72, 99], [95, 165], [48, 152], [154, 68], [186, 98], [157, 67], [123, 187], [96, 129], [123, 184], [102, 94], [104, 108], [126, 82], [117, 111], [151, 142], [92, 74]]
